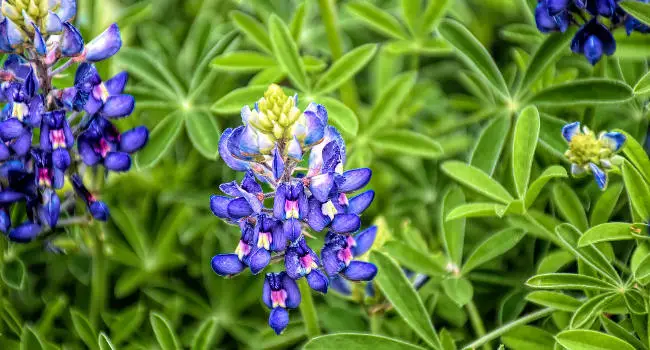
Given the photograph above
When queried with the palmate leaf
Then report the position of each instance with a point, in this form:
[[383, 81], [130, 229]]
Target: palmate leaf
[[357, 341], [569, 281], [286, 52], [340, 115], [453, 231], [487, 150], [407, 142], [523, 147], [160, 140], [204, 132], [253, 29], [610, 231], [545, 55], [243, 61], [345, 68], [164, 332], [583, 92], [494, 246], [476, 180], [581, 339], [377, 19]]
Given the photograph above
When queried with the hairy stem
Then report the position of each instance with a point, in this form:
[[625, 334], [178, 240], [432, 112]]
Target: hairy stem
[[348, 90], [99, 277], [308, 311], [477, 322], [507, 327]]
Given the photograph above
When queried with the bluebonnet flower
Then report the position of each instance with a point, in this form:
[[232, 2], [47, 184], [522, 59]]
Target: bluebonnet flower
[[593, 39], [42, 42], [275, 137], [591, 154]]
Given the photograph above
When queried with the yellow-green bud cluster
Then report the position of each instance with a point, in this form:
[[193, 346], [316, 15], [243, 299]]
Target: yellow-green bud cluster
[[276, 114], [585, 148], [26, 11]]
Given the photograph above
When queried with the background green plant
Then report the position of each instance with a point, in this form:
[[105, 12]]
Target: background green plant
[[457, 107]]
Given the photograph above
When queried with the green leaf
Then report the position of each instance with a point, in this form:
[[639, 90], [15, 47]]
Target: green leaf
[[105, 342], [414, 259], [528, 337], [494, 246], [253, 29], [643, 85], [84, 330], [638, 10], [642, 270], [459, 290], [618, 331], [411, 11], [474, 210], [13, 273], [605, 204], [552, 172], [164, 332], [637, 155], [406, 301], [447, 340], [487, 150], [635, 301], [160, 140], [582, 339], [637, 190], [30, 339], [377, 19], [583, 92], [453, 231], [233, 102], [358, 342], [523, 147], [340, 115], [473, 53], [345, 68], [476, 180], [203, 131], [128, 322], [286, 52], [434, 12], [610, 231], [590, 309], [407, 142], [591, 255], [390, 99], [554, 261], [546, 54], [556, 300], [569, 205], [568, 281], [298, 21], [205, 336], [550, 138], [243, 61], [142, 65]]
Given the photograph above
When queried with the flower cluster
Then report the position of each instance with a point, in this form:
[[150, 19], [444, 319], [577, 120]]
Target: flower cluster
[[594, 38], [590, 154], [275, 139], [42, 43]]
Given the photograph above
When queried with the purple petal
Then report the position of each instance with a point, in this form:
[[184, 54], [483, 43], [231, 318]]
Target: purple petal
[[219, 206], [266, 292], [316, 219], [239, 207], [15, 36], [321, 185], [25, 232], [50, 208], [11, 128], [99, 210], [360, 271], [355, 179], [258, 260], [360, 203], [117, 161], [87, 152], [344, 223], [116, 84], [249, 184], [86, 77], [292, 229], [39, 43], [67, 10], [61, 158], [53, 23], [133, 140], [364, 240], [292, 263], [22, 144], [5, 46], [227, 264], [279, 319], [4, 152], [5, 221], [278, 202], [72, 43], [317, 281], [293, 293], [105, 45], [118, 107], [279, 242], [331, 262], [224, 153], [9, 196], [278, 164]]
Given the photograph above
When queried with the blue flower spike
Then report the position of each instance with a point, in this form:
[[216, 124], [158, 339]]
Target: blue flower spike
[[593, 39], [50, 134], [591, 154], [277, 225]]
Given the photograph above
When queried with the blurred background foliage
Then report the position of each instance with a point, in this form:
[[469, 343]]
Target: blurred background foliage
[[143, 280]]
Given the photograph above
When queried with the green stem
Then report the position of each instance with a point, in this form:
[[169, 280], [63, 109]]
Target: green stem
[[477, 322], [99, 277], [308, 311], [348, 90], [507, 327]]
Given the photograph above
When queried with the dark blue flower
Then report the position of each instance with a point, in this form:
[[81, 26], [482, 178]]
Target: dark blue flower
[[97, 208], [291, 206], [280, 293], [551, 21], [244, 199], [301, 261], [337, 257], [593, 40]]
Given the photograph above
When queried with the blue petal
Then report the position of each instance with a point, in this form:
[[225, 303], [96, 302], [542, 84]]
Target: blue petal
[[278, 164], [340, 285], [53, 23], [266, 291], [39, 43], [116, 84], [118, 107], [279, 319], [278, 202], [355, 179], [593, 49], [25, 232], [556, 6], [239, 208], [117, 161], [9, 196], [317, 281], [330, 260], [219, 206], [569, 130], [614, 140], [227, 264], [133, 140], [67, 10], [105, 45], [11, 128], [316, 219], [360, 203], [364, 240], [321, 185], [344, 223], [292, 229], [72, 43], [99, 210], [5, 221], [360, 271], [248, 142], [599, 175], [15, 36], [258, 260], [226, 156], [292, 263], [293, 293], [50, 208]]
